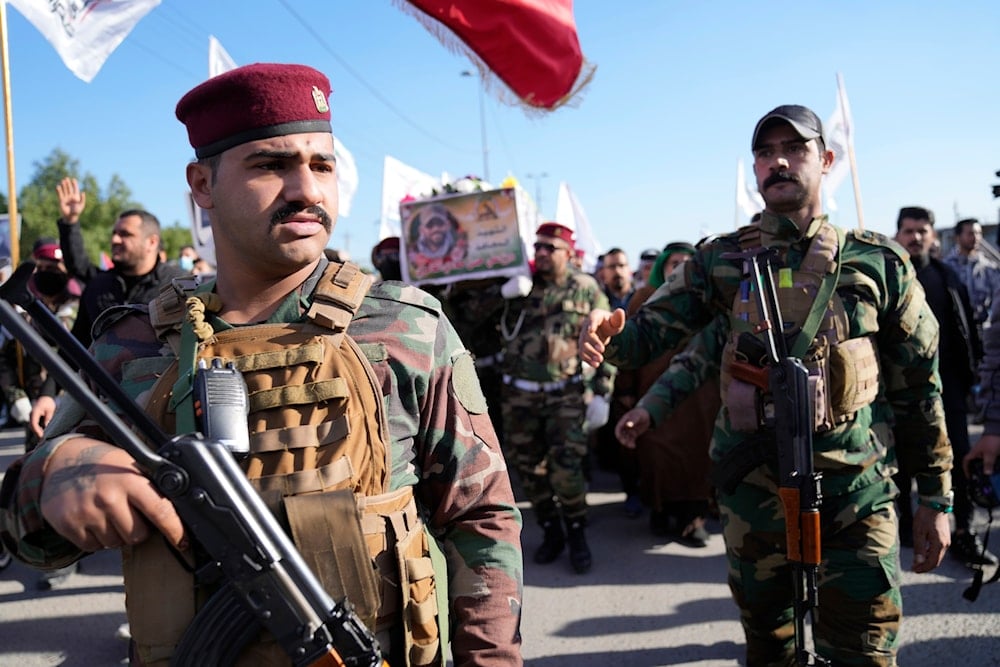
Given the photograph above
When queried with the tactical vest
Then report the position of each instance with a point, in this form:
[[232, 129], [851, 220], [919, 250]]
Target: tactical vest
[[843, 371], [319, 456]]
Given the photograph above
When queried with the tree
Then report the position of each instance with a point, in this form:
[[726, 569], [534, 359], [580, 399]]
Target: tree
[[39, 204], [173, 238]]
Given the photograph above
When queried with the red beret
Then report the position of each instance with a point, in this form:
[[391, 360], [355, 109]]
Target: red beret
[[49, 251], [254, 102], [557, 231], [388, 244]]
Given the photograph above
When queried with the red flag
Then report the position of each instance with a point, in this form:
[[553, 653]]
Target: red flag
[[530, 45]]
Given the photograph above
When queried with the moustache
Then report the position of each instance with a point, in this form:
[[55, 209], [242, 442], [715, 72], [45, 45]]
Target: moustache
[[779, 177], [290, 211]]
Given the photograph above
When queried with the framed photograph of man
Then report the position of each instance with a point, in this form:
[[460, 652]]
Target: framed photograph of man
[[463, 237]]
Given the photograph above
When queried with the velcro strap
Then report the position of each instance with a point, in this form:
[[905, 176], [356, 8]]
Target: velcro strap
[[307, 481], [303, 394], [337, 298], [419, 568], [299, 437], [311, 353]]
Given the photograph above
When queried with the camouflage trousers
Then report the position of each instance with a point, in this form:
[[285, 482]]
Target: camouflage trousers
[[544, 436], [860, 607]]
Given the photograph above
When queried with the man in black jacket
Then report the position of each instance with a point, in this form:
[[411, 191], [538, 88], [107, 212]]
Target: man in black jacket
[[959, 354]]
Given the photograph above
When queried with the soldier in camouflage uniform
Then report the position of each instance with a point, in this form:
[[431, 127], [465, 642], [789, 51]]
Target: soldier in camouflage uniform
[[875, 356], [266, 175], [546, 394]]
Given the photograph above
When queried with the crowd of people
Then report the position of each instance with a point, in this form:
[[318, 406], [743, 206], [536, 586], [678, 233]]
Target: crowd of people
[[445, 394]]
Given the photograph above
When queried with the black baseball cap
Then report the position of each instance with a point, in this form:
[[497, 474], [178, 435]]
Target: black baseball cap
[[802, 119]]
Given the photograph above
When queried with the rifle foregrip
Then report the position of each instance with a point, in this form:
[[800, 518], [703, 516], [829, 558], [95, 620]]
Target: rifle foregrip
[[793, 533], [811, 543]]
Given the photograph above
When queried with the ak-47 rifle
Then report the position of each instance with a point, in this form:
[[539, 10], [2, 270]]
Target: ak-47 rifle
[[267, 584], [790, 415]]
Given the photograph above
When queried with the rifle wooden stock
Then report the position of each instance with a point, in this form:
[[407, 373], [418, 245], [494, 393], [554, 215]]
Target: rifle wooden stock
[[268, 584]]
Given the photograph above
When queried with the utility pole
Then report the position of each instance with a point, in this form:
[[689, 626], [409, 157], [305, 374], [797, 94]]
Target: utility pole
[[482, 126], [537, 178]]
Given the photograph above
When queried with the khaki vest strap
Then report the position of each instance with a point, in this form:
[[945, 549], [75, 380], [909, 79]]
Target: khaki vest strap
[[830, 251], [339, 295], [303, 394], [299, 437], [294, 356], [307, 481]]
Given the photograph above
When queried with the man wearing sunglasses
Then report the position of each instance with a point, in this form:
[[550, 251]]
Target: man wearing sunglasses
[[547, 397]]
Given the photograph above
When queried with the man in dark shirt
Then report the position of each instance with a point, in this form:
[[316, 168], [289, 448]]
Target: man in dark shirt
[[959, 351]]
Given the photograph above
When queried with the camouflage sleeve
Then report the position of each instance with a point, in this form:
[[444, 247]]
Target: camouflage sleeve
[[462, 483], [672, 315], [989, 371], [22, 527], [688, 370], [908, 342]]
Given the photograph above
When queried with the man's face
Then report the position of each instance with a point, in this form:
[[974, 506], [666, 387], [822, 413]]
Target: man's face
[[551, 256], [917, 236], [272, 203], [971, 237], [673, 261], [617, 275], [131, 247], [789, 170], [434, 229]]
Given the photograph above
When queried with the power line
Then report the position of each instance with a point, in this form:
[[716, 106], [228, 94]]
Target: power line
[[371, 89]]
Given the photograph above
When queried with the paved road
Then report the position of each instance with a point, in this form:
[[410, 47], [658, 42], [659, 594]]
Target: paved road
[[645, 603]]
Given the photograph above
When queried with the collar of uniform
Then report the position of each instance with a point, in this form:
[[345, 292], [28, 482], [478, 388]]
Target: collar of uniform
[[294, 306], [780, 227]]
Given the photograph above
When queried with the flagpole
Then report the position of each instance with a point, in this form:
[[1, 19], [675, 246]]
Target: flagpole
[[850, 153], [8, 122]]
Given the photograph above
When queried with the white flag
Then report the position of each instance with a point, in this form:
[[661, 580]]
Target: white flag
[[570, 213], [398, 182], [347, 177], [839, 129], [84, 33], [219, 60], [748, 199]]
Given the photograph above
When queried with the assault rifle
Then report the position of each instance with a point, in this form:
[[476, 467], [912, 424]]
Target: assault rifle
[[267, 584], [790, 415]]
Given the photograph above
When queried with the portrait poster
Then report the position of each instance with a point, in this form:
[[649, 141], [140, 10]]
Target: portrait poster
[[463, 237]]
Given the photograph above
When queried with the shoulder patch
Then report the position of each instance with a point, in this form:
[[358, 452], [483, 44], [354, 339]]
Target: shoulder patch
[[465, 384], [115, 314]]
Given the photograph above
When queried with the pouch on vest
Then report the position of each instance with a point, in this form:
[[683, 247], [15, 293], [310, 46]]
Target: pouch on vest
[[338, 555]]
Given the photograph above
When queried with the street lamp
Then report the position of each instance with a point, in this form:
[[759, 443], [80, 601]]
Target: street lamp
[[537, 178], [482, 129]]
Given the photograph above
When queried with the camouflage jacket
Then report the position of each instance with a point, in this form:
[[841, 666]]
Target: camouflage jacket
[[688, 370], [882, 299], [443, 445], [989, 373], [980, 276], [542, 331]]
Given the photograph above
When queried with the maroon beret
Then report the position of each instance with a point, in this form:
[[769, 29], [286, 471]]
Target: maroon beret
[[557, 231], [49, 251], [254, 102], [388, 244]]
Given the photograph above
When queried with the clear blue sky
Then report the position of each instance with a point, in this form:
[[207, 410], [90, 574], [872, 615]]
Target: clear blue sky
[[650, 151]]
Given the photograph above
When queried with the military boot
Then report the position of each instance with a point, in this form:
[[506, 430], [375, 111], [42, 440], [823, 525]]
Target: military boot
[[553, 543], [579, 552]]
